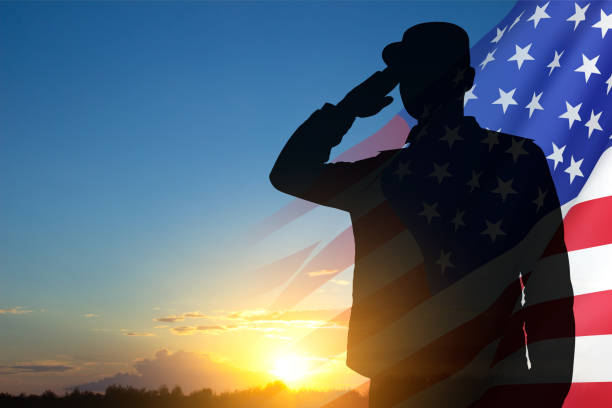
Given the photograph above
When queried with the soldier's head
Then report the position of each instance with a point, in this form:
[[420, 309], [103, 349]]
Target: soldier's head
[[432, 63]]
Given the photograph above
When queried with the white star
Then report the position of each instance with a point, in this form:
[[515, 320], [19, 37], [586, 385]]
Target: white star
[[444, 261], [574, 169], [474, 181], [402, 170], [451, 135], [499, 35], [493, 230], [469, 95], [429, 211], [539, 14], [521, 55], [593, 123], [440, 172], [539, 201], [578, 16], [516, 20], [505, 99], [504, 188], [487, 59], [555, 62], [516, 149], [571, 113], [556, 155], [534, 104], [588, 67], [605, 23], [458, 220], [492, 138], [609, 83]]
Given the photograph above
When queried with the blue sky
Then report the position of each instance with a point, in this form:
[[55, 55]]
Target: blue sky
[[136, 141]]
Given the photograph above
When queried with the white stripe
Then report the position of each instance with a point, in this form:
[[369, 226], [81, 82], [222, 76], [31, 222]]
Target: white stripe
[[597, 185]]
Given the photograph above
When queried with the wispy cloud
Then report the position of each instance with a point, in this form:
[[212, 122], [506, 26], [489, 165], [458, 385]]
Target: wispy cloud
[[322, 272], [138, 334], [266, 321], [181, 317], [17, 310], [188, 330], [35, 367], [340, 282], [90, 315]]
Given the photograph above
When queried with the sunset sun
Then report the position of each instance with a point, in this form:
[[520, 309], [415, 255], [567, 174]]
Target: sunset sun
[[290, 368]]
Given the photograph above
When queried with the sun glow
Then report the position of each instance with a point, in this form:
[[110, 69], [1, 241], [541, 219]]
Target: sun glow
[[291, 368]]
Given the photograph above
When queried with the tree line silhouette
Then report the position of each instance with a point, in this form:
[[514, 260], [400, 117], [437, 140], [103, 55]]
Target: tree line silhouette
[[273, 395]]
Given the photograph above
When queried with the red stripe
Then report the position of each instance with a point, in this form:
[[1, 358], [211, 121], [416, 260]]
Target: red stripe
[[591, 394], [589, 224]]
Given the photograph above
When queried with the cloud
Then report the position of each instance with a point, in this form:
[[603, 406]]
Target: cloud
[[34, 368], [90, 315], [340, 282], [169, 319], [192, 371], [138, 334], [283, 315], [187, 330], [268, 321], [322, 272], [17, 310], [180, 318]]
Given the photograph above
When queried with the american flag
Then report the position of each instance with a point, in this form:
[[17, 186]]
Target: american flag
[[545, 73]]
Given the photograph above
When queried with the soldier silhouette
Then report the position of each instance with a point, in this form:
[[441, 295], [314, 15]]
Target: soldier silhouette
[[461, 289]]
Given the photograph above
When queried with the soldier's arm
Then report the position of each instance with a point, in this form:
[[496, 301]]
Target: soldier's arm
[[301, 169]]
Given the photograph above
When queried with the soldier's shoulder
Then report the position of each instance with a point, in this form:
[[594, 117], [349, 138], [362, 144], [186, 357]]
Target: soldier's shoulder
[[517, 142]]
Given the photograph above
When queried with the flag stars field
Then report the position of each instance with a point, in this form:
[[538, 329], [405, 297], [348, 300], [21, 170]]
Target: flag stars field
[[521, 54], [469, 95], [579, 15], [440, 172], [403, 169], [430, 211], [505, 99], [571, 113], [457, 221], [574, 169], [516, 149], [593, 123], [604, 23], [539, 14], [444, 261], [474, 182], [588, 67], [516, 20], [504, 188], [492, 139], [489, 58], [451, 136], [499, 35], [539, 201], [534, 104], [555, 63], [557, 155], [493, 230]]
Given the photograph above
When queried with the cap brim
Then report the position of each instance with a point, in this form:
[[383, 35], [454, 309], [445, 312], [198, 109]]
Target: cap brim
[[394, 54]]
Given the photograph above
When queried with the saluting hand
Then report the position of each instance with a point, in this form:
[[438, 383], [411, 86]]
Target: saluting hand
[[369, 97]]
